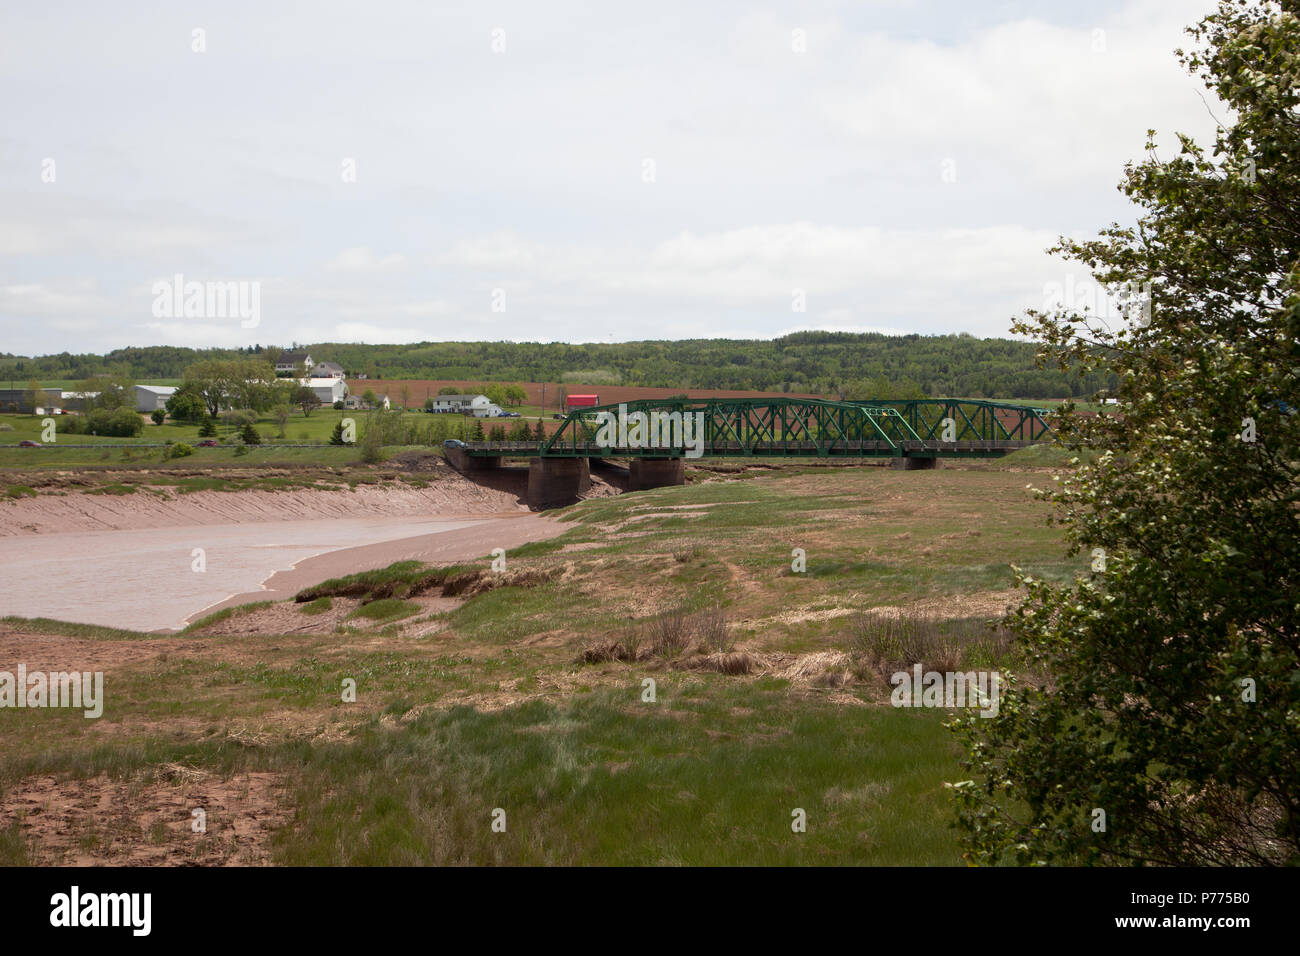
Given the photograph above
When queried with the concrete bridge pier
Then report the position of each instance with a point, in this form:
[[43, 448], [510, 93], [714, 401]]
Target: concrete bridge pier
[[646, 473], [555, 482], [911, 464]]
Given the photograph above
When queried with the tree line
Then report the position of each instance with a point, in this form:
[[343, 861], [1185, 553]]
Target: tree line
[[831, 363]]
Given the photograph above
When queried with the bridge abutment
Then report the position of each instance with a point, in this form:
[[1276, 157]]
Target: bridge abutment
[[643, 473], [464, 462], [555, 482], [912, 464]]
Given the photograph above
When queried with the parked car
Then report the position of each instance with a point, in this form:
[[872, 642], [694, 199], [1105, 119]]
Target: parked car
[[208, 443], [453, 443], [28, 443]]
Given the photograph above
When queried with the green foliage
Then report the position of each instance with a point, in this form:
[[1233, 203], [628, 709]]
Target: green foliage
[[821, 362], [119, 423], [249, 435], [386, 609], [187, 405], [180, 450], [372, 436], [158, 416], [241, 382], [1173, 698], [208, 429], [306, 399]]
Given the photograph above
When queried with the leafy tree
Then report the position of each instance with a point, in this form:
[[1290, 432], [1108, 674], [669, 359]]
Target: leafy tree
[[515, 394], [1173, 694], [158, 415], [306, 399], [496, 394], [280, 414], [223, 383], [372, 437], [187, 405], [449, 390], [34, 395], [369, 397]]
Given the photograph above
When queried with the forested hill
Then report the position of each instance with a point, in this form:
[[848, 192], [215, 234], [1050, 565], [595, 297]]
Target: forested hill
[[823, 362]]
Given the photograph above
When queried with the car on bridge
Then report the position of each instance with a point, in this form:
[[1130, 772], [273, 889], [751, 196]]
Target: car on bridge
[[453, 443]]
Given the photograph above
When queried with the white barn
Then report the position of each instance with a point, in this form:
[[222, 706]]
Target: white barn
[[152, 398], [328, 390]]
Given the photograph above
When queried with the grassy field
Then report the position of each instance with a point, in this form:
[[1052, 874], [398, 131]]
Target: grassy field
[[506, 701], [70, 450]]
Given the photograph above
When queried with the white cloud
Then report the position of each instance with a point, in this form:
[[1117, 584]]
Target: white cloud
[[777, 170]]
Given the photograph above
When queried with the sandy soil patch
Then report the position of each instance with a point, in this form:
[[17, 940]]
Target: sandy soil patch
[[164, 507], [148, 821]]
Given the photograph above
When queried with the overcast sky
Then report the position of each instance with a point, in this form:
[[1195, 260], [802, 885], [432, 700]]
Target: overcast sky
[[599, 171]]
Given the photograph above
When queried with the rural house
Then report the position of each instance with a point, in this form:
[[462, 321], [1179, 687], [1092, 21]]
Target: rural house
[[477, 405], [288, 362]]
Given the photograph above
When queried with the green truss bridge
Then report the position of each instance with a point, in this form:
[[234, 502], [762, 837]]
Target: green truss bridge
[[656, 436]]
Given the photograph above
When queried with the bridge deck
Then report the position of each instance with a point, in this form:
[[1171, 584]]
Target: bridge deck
[[776, 449]]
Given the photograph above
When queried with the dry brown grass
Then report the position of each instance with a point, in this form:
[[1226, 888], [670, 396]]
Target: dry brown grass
[[673, 635], [884, 644]]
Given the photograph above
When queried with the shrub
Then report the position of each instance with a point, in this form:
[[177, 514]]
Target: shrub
[[122, 423], [669, 633], [238, 417], [710, 627], [883, 645], [158, 416], [179, 450]]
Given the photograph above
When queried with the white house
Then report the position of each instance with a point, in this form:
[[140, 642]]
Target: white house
[[476, 405], [152, 398], [327, 370]]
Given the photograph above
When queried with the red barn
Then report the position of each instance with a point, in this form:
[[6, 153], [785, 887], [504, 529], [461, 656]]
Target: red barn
[[582, 401]]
